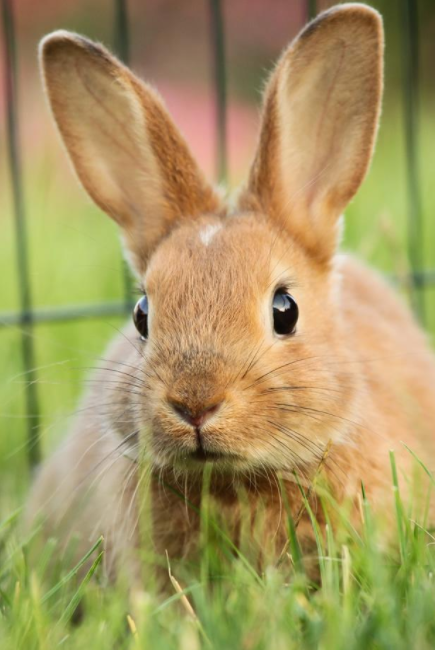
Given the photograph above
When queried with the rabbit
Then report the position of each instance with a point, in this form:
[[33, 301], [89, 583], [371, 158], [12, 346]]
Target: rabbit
[[257, 352]]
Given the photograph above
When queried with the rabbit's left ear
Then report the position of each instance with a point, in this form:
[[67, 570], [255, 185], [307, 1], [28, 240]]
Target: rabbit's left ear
[[319, 126], [127, 152]]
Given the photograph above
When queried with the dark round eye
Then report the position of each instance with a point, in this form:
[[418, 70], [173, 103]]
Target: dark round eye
[[285, 313], [140, 317]]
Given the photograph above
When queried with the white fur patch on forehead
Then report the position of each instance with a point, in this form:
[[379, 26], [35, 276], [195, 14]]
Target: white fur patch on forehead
[[207, 233]]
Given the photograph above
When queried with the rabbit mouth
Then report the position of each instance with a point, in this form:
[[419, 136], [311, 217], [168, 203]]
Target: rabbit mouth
[[203, 455]]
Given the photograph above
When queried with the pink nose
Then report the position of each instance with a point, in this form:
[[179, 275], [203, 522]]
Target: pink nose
[[196, 418]]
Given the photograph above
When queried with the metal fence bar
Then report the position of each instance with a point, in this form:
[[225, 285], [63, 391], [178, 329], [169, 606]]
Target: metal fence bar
[[63, 314], [410, 85], [26, 315], [421, 279], [121, 40], [311, 9], [121, 33], [219, 75]]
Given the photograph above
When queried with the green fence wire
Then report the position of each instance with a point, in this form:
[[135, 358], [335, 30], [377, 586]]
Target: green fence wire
[[410, 86], [121, 46], [218, 61], [27, 316], [310, 9]]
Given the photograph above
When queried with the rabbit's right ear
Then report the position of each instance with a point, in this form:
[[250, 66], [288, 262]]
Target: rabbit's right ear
[[319, 125], [125, 148]]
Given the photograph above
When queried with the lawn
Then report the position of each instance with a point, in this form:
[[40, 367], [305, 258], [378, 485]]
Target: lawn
[[370, 597]]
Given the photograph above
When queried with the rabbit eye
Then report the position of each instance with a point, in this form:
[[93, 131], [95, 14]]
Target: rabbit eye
[[140, 317], [285, 313]]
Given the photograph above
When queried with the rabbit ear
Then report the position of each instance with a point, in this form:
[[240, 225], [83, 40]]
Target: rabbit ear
[[126, 150], [319, 125]]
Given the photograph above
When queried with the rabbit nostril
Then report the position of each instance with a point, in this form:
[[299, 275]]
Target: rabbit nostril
[[196, 418]]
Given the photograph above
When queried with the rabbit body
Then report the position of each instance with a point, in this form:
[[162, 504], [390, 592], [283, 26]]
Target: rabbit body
[[213, 385]]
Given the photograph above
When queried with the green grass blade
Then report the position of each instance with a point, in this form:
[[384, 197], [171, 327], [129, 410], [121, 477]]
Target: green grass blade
[[10, 519], [399, 507], [20, 547], [75, 600], [71, 573], [420, 462], [315, 526], [293, 542]]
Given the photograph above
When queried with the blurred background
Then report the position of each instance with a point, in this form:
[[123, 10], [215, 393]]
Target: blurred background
[[73, 249]]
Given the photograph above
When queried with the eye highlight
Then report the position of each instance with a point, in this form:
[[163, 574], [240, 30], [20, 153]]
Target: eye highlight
[[285, 313], [140, 317]]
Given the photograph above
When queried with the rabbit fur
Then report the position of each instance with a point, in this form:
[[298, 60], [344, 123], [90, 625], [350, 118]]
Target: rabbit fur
[[355, 380]]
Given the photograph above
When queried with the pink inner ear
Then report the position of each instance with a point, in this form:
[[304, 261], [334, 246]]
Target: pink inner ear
[[327, 135]]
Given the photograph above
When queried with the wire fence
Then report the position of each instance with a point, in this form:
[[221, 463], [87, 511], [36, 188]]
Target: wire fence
[[27, 316]]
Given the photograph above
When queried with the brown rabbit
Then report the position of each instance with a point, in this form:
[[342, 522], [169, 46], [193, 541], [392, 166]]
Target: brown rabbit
[[256, 350]]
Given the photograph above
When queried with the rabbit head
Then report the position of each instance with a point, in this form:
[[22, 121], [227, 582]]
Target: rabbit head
[[240, 358]]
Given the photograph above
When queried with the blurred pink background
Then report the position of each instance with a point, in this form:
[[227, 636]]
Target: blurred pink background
[[170, 48]]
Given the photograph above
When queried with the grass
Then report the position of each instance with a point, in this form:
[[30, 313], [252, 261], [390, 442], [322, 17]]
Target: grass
[[370, 597]]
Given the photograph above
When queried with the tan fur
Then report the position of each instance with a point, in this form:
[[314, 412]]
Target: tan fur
[[356, 380]]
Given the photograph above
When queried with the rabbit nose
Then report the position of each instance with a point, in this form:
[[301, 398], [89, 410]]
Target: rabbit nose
[[195, 417]]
